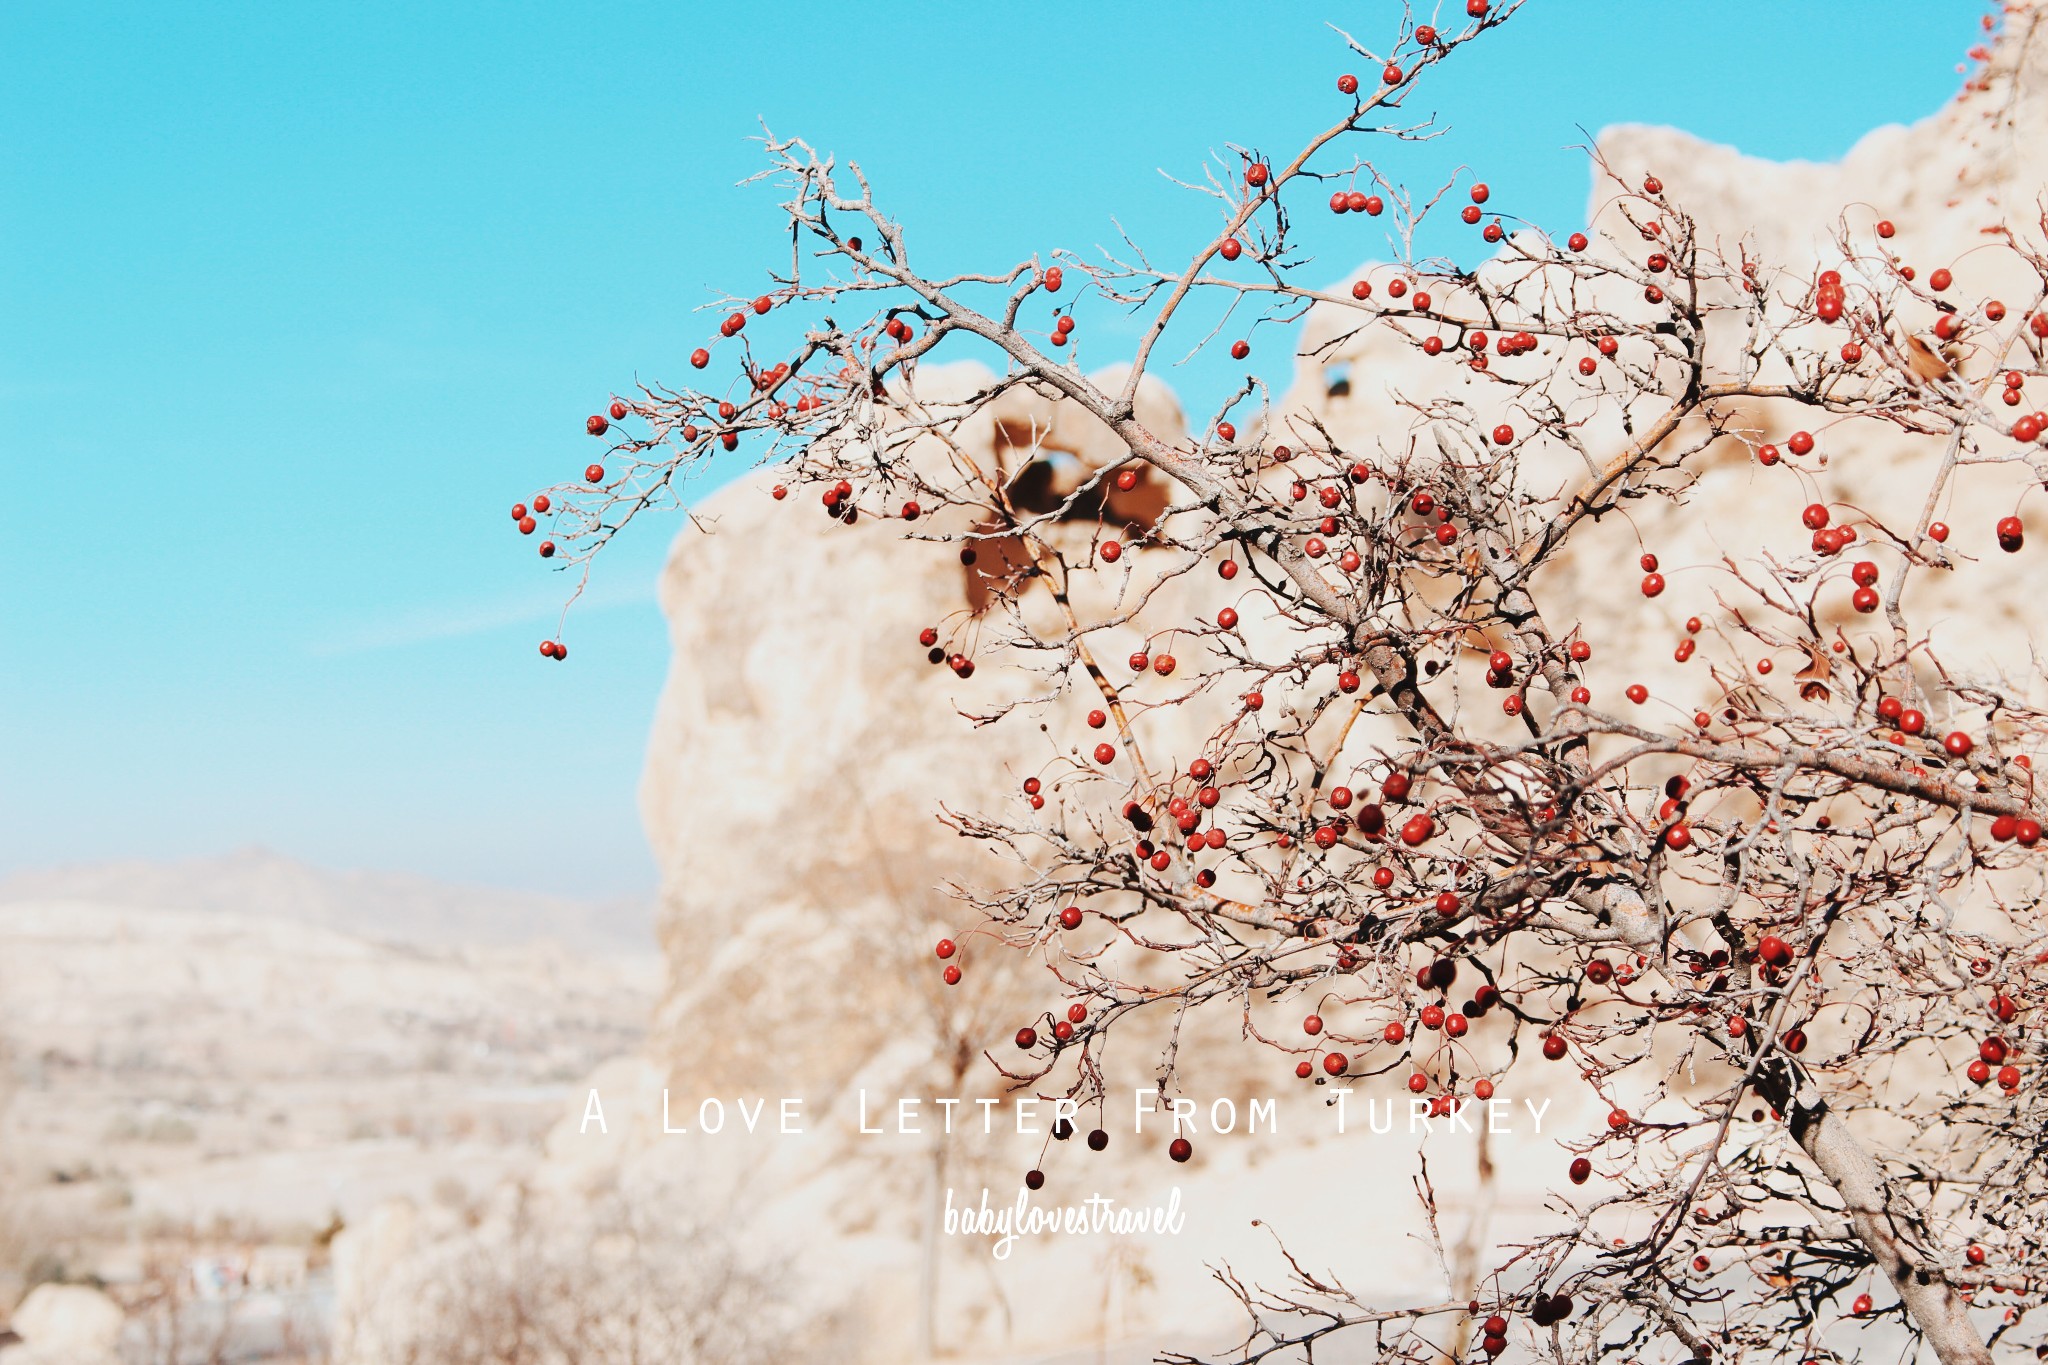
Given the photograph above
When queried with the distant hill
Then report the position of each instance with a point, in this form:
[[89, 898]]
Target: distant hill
[[392, 906]]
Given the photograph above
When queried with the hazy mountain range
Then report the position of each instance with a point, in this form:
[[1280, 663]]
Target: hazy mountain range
[[393, 906]]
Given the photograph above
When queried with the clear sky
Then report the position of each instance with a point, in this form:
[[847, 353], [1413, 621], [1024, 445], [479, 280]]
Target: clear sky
[[296, 300]]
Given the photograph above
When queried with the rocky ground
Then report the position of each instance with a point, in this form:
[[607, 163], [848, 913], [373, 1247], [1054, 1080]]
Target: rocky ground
[[212, 1068]]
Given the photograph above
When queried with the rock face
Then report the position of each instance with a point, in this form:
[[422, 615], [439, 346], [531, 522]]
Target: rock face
[[1942, 182], [803, 753]]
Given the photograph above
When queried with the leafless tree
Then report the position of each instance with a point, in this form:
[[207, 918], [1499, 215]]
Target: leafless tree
[[1461, 891]]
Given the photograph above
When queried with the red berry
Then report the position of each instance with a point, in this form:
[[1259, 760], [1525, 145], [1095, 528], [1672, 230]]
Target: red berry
[[1348, 83], [1335, 1063], [1105, 754], [593, 474], [1581, 1170], [596, 425], [1180, 1149], [1027, 1038]]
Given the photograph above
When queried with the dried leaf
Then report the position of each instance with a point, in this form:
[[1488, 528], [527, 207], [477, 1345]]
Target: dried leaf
[[1924, 362], [1813, 684]]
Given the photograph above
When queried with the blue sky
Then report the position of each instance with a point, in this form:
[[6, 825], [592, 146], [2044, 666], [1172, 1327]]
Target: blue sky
[[298, 299]]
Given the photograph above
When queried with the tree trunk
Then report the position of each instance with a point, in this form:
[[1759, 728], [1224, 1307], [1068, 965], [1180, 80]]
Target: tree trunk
[[1889, 1229]]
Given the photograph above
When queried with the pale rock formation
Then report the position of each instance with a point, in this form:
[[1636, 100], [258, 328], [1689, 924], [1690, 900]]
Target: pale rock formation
[[1941, 182], [65, 1324], [802, 753]]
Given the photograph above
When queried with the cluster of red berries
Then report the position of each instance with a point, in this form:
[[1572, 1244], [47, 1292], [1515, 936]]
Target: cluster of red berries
[[1829, 296]]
